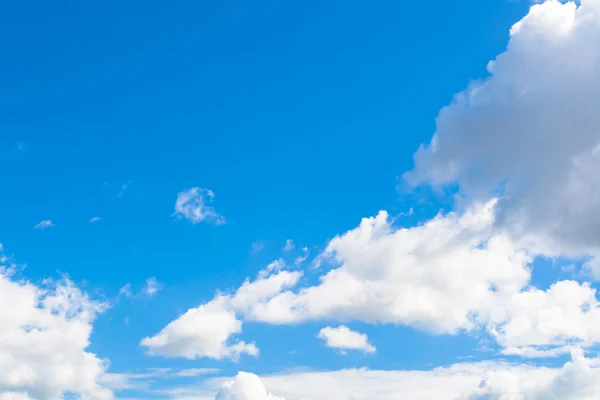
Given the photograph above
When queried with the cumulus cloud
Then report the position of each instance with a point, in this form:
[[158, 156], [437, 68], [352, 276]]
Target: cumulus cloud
[[245, 386], [208, 330], [44, 224], [204, 331], [43, 340], [438, 276], [194, 205], [344, 338], [530, 131]]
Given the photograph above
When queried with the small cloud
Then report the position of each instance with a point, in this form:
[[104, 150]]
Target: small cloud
[[257, 247], [126, 321], [275, 266], [289, 245], [193, 372], [299, 260], [47, 223], [94, 219], [194, 205], [152, 287], [125, 290], [124, 187], [343, 338], [20, 146]]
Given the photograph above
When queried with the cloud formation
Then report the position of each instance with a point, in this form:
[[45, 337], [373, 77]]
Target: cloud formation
[[45, 331], [194, 205], [344, 338], [530, 132]]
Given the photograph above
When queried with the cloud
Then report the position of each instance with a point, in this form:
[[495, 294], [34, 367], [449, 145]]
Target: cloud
[[44, 224], [452, 274], [300, 259], [45, 333], [289, 245], [95, 219], [567, 311], [124, 187], [245, 386], [125, 290], [344, 338], [204, 331], [429, 276], [578, 379], [530, 132], [208, 330], [193, 205], [257, 247], [152, 287]]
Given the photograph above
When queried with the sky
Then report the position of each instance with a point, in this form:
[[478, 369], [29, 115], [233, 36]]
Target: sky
[[320, 200]]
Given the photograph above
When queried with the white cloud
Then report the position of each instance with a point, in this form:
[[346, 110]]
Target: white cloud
[[344, 338], [194, 205], [43, 340], [207, 330], [530, 131], [95, 219], [577, 380], [245, 386], [430, 276], [568, 312], [204, 331], [152, 287], [44, 224], [450, 275], [289, 245]]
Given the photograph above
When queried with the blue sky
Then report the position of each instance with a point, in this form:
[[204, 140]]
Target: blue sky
[[296, 121]]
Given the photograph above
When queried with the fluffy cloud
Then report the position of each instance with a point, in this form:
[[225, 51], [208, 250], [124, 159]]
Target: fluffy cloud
[[245, 386], [439, 276], [344, 338], [194, 205], [204, 331], [565, 313], [207, 330], [531, 131], [44, 333]]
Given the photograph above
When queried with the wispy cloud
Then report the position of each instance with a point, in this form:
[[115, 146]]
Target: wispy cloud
[[289, 245], [152, 287], [95, 219], [194, 205], [47, 223], [299, 260], [124, 187], [257, 247]]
